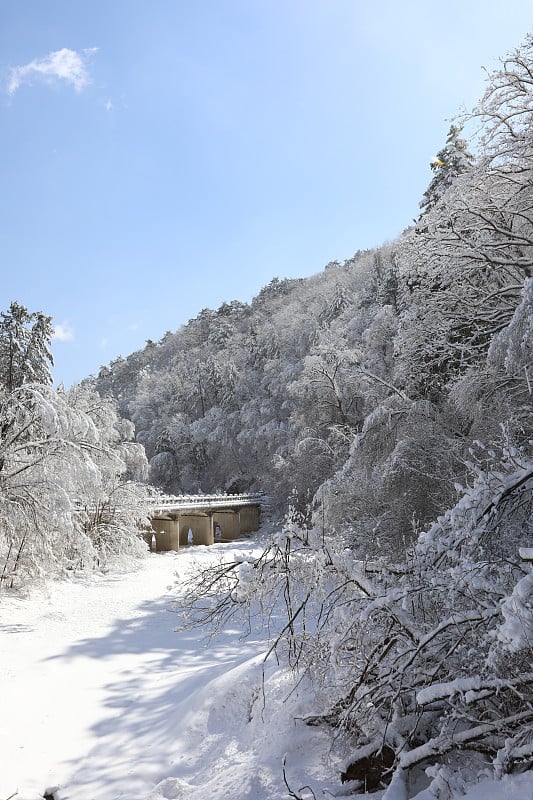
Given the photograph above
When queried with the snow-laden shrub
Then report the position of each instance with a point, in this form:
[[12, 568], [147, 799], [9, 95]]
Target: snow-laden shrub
[[428, 663]]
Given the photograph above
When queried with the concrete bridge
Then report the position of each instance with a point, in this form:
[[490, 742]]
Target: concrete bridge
[[202, 519]]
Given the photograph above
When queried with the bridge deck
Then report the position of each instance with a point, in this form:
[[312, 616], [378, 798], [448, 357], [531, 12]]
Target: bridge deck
[[168, 503]]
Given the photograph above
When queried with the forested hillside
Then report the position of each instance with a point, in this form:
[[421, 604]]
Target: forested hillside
[[372, 390], [386, 403]]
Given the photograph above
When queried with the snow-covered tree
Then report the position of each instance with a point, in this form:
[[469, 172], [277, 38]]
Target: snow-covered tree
[[25, 355], [453, 160], [68, 497], [465, 264], [423, 668], [504, 113], [461, 277]]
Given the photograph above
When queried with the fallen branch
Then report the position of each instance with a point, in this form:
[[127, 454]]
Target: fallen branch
[[290, 791]]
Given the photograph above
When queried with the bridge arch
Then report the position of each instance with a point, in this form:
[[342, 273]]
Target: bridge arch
[[200, 525], [166, 532], [228, 522]]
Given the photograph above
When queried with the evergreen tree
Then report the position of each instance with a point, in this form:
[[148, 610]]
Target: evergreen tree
[[453, 160], [25, 355]]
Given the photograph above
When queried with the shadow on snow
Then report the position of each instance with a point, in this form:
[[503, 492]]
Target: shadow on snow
[[155, 674]]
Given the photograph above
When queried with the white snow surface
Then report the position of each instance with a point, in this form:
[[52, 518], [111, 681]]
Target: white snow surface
[[102, 699]]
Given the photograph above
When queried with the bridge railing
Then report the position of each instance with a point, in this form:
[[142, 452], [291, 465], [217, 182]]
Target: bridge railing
[[175, 502]]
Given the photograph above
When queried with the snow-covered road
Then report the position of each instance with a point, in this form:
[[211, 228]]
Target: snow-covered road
[[102, 697]]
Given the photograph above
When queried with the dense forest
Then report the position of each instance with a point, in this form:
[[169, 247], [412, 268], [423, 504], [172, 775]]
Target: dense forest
[[371, 393], [385, 407]]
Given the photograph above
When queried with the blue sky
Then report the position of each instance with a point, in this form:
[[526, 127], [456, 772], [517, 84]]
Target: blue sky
[[159, 157]]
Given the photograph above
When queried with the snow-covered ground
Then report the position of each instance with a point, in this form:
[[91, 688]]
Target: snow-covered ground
[[100, 697]]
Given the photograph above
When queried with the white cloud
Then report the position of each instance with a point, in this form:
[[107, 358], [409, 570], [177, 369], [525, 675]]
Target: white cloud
[[65, 64], [109, 105], [63, 332]]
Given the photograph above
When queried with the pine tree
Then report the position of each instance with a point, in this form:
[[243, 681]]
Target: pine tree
[[25, 355], [453, 160]]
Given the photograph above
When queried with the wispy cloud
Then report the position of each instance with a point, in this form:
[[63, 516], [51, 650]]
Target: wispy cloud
[[66, 65], [63, 332]]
